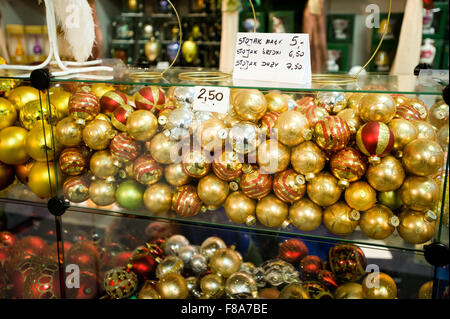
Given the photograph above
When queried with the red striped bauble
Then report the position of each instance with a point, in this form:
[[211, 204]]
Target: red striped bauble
[[185, 201], [407, 112], [314, 114], [348, 165], [146, 170], [304, 102], [375, 139], [227, 166], [150, 98], [124, 148], [255, 184], [268, 121], [120, 115], [332, 133], [289, 186], [76, 189], [83, 106], [73, 161], [111, 100]]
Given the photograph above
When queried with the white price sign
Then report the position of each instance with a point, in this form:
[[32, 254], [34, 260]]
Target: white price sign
[[212, 99], [273, 57]]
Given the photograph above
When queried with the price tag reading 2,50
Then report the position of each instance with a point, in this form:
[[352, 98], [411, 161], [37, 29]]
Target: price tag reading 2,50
[[212, 99]]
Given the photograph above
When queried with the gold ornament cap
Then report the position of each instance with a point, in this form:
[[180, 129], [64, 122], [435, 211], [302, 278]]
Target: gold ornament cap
[[430, 216], [285, 224], [355, 215], [307, 134], [300, 179], [343, 184], [310, 176], [250, 220], [234, 186], [374, 160], [162, 120], [394, 221], [247, 168]]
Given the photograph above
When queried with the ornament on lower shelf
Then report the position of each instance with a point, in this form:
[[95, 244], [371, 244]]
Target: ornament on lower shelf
[[292, 250], [241, 285], [347, 262], [120, 283], [379, 285]]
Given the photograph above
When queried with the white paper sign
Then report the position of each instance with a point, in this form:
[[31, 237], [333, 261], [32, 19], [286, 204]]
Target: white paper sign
[[212, 99], [273, 57]]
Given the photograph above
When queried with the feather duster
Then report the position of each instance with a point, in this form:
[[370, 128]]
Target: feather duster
[[75, 17]]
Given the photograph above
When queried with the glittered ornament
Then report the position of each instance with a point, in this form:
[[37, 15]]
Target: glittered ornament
[[35, 112], [379, 285], [386, 176], [76, 189], [375, 139], [289, 186], [327, 279], [22, 95], [227, 166], [292, 250], [377, 108], [417, 227], [347, 262], [185, 201], [212, 191], [225, 262], [340, 219], [41, 144], [8, 113], [407, 112], [120, 283], [111, 100], [351, 117], [332, 133], [102, 165], [404, 132], [163, 149], [360, 196], [6, 175], [268, 122], [305, 215], [120, 116], [272, 212], [348, 165], [293, 291], [146, 170], [419, 106], [45, 179], [254, 183], [314, 114], [150, 98], [196, 164], [324, 189], [43, 283], [273, 157], [169, 265], [97, 134], [249, 105], [211, 135], [349, 290], [244, 137], [102, 192], [292, 128], [180, 123], [172, 286], [419, 193], [241, 285], [124, 148], [73, 161], [212, 286], [68, 132], [308, 159], [425, 130], [83, 106], [423, 157], [439, 114], [129, 195], [240, 209], [378, 222], [12, 145], [331, 99], [175, 175]]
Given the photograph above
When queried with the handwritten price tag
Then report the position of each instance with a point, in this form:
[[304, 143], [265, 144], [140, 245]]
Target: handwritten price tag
[[212, 99], [273, 57]]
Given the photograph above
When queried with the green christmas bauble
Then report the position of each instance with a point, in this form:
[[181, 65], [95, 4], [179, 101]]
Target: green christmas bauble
[[129, 194]]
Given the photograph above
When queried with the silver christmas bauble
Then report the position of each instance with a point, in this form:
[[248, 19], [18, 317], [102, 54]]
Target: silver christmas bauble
[[210, 245], [184, 96], [173, 244], [170, 264], [244, 137], [186, 253], [180, 123], [198, 263]]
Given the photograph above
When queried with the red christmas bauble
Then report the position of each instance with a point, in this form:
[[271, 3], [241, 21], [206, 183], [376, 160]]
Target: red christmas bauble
[[121, 259], [150, 98], [111, 100], [7, 239], [347, 262], [292, 250], [83, 106], [146, 170], [407, 112], [31, 245], [84, 254], [19, 272], [375, 139], [327, 278], [73, 161], [348, 165], [124, 148], [76, 189], [289, 186], [255, 184], [4, 255], [332, 133], [52, 251], [143, 264], [89, 287], [185, 201], [227, 166], [43, 283], [310, 266], [120, 116]]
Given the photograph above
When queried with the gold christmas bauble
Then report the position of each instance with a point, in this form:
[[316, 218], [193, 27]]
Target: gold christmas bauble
[[102, 192], [240, 209], [12, 145], [425, 130], [352, 118], [292, 128], [349, 290], [386, 176], [99, 89], [354, 100], [22, 95], [227, 166], [41, 143], [419, 105], [426, 290], [377, 108], [163, 149], [273, 157], [44, 180], [324, 189], [378, 285], [225, 262], [417, 227], [390, 199], [379, 222], [103, 166], [423, 157], [211, 135], [97, 134], [148, 291], [175, 175], [142, 125], [308, 159], [294, 291], [60, 99], [158, 198], [439, 114], [289, 186], [305, 215], [36, 112], [241, 285], [196, 164], [442, 137], [23, 171], [360, 196], [419, 193], [340, 219], [212, 190], [212, 286], [172, 286], [249, 105], [277, 102], [69, 132], [404, 132], [8, 113], [399, 99], [272, 212]]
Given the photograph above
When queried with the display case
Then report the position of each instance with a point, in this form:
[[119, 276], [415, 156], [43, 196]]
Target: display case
[[317, 191]]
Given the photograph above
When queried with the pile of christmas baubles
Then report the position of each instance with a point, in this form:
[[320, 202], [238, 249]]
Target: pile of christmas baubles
[[342, 159]]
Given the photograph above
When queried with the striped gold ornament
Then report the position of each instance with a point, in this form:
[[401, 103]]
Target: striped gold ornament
[[227, 166], [146, 170], [348, 165], [120, 115], [150, 98], [332, 133], [254, 183], [76, 189], [407, 112], [83, 106], [304, 102], [124, 148], [314, 114], [268, 121], [289, 186], [185, 201], [419, 106], [73, 161]]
